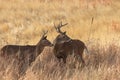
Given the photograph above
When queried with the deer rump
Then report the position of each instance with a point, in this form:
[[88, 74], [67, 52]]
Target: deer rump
[[19, 52], [13, 49], [62, 50]]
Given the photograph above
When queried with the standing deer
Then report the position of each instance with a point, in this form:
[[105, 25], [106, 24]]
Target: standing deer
[[64, 45], [32, 50], [23, 56]]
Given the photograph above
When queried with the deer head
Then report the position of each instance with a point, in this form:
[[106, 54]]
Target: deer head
[[62, 35], [44, 41]]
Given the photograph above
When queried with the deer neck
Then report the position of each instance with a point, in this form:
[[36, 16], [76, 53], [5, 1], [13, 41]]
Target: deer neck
[[39, 48]]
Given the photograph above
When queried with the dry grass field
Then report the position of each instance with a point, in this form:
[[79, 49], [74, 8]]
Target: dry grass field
[[22, 22]]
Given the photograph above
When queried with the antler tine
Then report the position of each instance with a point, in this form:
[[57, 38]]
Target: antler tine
[[64, 24], [59, 26]]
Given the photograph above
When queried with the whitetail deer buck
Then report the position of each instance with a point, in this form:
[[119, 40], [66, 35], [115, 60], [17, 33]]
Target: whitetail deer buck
[[28, 50], [64, 45]]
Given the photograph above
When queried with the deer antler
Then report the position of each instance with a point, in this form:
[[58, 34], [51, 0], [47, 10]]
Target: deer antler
[[59, 26]]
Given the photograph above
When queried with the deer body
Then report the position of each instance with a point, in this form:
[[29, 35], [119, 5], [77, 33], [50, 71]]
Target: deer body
[[62, 50], [64, 46], [12, 49], [32, 50]]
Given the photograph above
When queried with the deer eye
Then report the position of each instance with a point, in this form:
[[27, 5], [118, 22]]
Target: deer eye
[[63, 36]]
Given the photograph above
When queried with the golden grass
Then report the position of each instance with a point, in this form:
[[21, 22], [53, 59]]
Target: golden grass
[[22, 22], [25, 18], [102, 64]]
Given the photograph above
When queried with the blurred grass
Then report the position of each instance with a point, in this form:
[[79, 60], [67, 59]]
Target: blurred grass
[[102, 64], [26, 18]]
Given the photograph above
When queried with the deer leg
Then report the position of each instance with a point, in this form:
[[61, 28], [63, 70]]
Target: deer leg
[[59, 58], [64, 59], [81, 59]]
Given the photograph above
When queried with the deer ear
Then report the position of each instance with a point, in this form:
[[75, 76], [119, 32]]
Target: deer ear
[[64, 33], [45, 37]]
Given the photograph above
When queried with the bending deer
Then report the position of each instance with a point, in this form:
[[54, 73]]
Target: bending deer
[[64, 45]]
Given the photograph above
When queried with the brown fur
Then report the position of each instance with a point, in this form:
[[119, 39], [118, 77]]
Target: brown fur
[[22, 52], [76, 47], [64, 45], [23, 56]]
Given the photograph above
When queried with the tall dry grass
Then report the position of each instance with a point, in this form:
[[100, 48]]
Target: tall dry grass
[[102, 63], [22, 21]]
